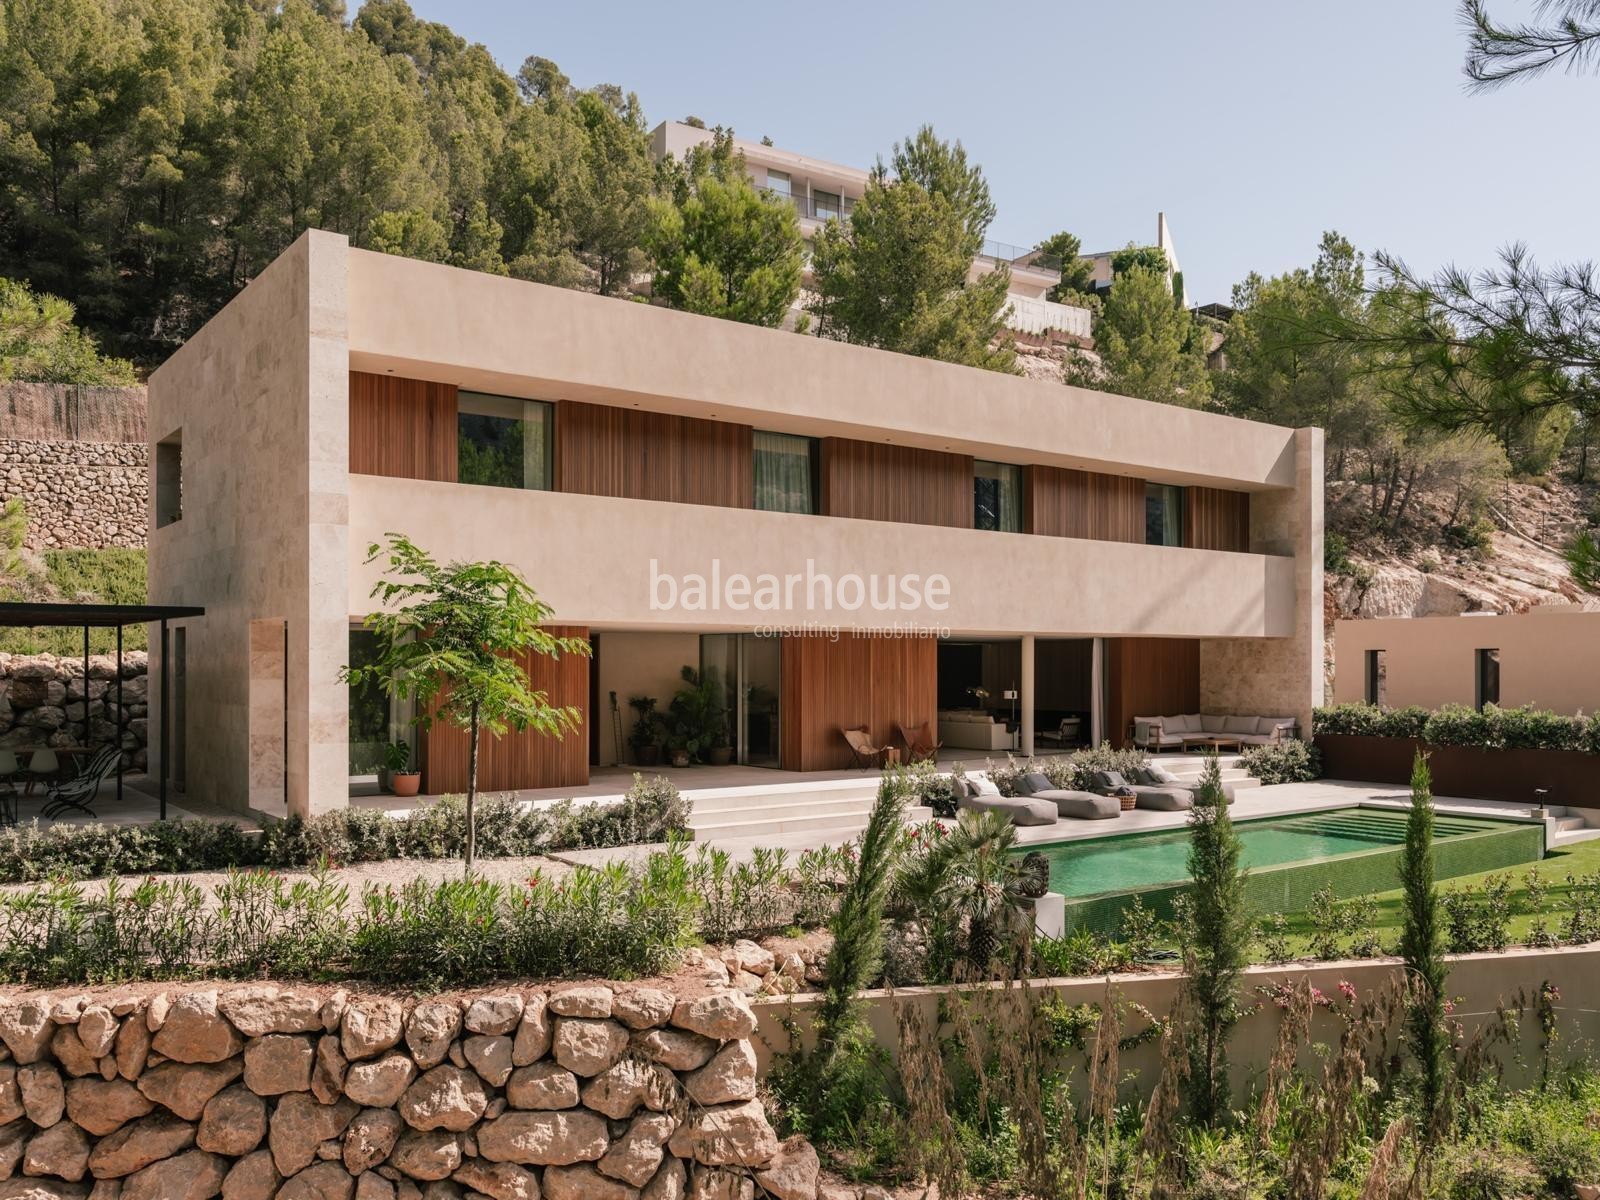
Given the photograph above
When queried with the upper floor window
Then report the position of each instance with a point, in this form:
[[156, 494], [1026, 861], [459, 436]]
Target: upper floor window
[[1488, 677], [785, 472], [1163, 514], [502, 441], [996, 497], [778, 181], [825, 205]]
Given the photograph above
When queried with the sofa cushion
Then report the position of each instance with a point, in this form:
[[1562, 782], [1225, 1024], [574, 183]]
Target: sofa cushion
[[959, 787], [1213, 723], [1193, 721], [1109, 780], [1037, 781], [1268, 724], [983, 787], [1240, 725], [1176, 724]]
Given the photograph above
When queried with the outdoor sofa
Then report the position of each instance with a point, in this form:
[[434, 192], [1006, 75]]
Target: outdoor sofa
[[1085, 806], [1164, 797], [981, 795], [972, 729], [1155, 734]]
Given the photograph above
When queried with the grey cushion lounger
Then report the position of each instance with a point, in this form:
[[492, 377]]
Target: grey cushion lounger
[[1167, 798], [1021, 810], [1156, 775], [1085, 806]]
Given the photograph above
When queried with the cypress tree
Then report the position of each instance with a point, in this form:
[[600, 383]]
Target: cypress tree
[[1421, 947], [857, 954], [1218, 944]]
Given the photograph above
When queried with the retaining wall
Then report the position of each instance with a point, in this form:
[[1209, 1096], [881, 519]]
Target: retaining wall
[[42, 702], [77, 458], [1572, 776], [581, 1092], [1478, 985]]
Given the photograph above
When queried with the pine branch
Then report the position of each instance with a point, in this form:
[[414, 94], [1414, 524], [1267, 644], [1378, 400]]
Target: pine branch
[[1501, 54]]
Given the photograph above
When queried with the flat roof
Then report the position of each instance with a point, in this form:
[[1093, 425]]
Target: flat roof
[[98, 615]]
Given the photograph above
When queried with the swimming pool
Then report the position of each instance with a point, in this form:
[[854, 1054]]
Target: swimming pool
[[1355, 850]]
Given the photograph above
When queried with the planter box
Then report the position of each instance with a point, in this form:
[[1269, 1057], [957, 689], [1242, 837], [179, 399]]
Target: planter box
[[1572, 776]]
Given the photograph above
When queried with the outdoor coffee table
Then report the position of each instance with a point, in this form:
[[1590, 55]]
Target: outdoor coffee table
[[1213, 742]]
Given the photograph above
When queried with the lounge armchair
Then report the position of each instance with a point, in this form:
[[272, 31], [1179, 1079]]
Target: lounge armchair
[[1021, 810], [920, 743], [1085, 806], [1166, 798], [76, 792], [862, 749]]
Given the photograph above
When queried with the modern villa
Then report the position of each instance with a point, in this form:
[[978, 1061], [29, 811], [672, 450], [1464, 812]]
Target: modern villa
[[853, 539]]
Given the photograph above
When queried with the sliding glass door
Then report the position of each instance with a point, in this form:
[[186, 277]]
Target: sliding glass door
[[748, 668]]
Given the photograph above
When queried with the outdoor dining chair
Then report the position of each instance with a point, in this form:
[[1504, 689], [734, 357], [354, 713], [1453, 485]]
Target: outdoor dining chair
[[77, 792]]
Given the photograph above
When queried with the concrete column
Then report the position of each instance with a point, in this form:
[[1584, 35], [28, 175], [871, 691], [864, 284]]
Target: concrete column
[[1026, 698], [1097, 693]]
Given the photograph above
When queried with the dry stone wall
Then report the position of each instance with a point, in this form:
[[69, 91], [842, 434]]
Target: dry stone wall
[[76, 456], [42, 702], [581, 1092]]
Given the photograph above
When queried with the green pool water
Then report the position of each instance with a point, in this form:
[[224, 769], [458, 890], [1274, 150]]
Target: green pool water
[[1130, 862]]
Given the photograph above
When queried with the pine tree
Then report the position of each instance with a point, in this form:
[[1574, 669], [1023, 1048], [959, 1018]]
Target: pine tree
[[1420, 946], [1218, 943]]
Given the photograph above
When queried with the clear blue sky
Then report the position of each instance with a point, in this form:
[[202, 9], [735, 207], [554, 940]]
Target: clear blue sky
[[1255, 124]]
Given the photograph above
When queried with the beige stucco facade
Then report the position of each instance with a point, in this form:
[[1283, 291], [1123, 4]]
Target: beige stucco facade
[[275, 527], [1549, 657]]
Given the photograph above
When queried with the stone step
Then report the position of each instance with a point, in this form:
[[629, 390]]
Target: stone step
[[784, 809], [817, 828]]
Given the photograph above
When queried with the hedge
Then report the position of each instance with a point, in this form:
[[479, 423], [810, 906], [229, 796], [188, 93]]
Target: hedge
[[1492, 728], [651, 810]]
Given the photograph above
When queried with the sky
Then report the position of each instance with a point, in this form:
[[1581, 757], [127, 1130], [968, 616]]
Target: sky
[[1254, 125]]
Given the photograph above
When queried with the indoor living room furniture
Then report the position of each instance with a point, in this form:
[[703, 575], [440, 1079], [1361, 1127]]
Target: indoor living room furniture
[[973, 729]]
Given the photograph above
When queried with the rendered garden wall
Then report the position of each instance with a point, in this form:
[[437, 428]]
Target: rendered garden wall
[[256, 1092]]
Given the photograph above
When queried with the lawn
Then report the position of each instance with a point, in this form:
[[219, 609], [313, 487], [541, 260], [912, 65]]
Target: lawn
[[1578, 860]]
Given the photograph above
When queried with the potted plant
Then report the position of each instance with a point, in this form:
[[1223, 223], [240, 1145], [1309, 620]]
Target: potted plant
[[644, 739], [698, 719], [402, 778]]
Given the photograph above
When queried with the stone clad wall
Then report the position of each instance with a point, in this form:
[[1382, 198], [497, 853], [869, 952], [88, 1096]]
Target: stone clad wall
[[582, 1092], [77, 458], [42, 702]]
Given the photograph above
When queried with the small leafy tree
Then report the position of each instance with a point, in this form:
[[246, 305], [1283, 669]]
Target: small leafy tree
[[449, 637], [1218, 943], [1420, 946], [1148, 344], [1583, 560]]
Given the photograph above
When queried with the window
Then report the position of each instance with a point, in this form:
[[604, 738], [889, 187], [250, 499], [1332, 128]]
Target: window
[[1163, 514], [503, 442], [169, 479], [778, 181], [996, 497], [785, 472], [1377, 680], [825, 205], [1488, 673]]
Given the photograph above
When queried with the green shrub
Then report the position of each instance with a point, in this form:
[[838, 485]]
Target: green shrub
[[1478, 918], [651, 812], [619, 921], [1291, 761], [1492, 728]]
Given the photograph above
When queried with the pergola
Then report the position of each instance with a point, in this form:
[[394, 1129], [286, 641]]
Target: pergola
[[109, 616]]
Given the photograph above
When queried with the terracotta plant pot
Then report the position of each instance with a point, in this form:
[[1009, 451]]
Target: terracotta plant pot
[[719, 756], [680, 758], [647, 756], [405, 783]]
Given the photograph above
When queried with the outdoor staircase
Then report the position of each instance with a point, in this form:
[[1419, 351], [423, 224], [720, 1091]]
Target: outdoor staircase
[[1188, 770], [833, 810], [1562, 828]]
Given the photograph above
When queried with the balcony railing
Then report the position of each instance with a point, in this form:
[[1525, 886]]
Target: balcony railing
[[1019, 256], [818, 210]]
